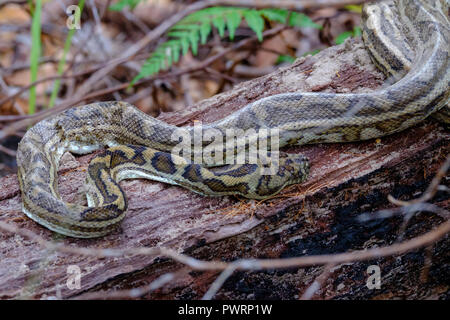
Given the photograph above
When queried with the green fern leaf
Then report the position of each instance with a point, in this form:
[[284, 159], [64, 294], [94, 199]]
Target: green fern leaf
[[205, 30], [197, 26], [255, 22], [185, 27], [149, 68], [301, 20], [194, 38], [156, 66], [167, 50], [174, 50], [356, 32], [178, 34], [344, 35], [183, 39], [284, 58], [184, 42], [233, 19], [219, 23], [278, 15]]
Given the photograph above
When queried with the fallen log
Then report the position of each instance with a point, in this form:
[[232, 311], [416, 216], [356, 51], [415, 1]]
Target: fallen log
[[316, 217]]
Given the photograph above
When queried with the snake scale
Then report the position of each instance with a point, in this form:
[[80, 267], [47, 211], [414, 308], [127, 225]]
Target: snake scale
[[407, 39]]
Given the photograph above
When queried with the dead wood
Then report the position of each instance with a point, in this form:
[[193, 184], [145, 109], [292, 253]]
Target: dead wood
[[316, 217]]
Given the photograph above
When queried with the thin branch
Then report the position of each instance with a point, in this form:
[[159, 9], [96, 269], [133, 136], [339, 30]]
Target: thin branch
[[5, 2], [317, 283], [8, 151], [218, 283], [131, 293], [406, 210], [42, 60], [46, 79], [244, 264]]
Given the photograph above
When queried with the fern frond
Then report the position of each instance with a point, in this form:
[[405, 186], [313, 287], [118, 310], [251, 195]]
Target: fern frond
[[255, 22], [196, 28]]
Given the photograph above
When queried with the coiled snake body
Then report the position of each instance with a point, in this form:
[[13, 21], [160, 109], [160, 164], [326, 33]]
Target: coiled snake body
[[407, 39]]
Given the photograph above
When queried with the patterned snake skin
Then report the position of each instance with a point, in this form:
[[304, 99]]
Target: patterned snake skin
[[407, 39]]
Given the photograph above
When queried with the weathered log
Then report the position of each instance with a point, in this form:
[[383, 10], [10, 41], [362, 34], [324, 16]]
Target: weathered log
[[315, 217]]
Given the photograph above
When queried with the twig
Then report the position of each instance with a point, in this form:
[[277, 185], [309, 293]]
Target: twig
[[218, 283], [135, 20], [317, 283], [131, 293], [244, 264], [5, 2], [220, 75], [42, 60], [34, 83], [8, 151], [392, 212]]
